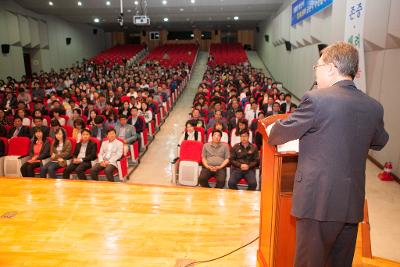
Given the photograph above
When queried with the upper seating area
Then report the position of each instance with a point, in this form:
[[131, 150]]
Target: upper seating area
[[173, 54], [118, 53], [227, 54]]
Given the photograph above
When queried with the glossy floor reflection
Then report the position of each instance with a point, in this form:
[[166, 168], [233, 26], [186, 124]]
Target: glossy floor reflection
[[84, 223]]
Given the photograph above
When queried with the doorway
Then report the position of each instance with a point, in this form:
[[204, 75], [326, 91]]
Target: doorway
[[28, 66]]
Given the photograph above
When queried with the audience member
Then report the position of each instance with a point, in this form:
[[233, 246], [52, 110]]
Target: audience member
[[85, 152]]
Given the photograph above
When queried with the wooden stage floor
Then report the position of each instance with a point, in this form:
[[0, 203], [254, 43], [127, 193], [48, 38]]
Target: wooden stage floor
[[47, 222], [83, 223]]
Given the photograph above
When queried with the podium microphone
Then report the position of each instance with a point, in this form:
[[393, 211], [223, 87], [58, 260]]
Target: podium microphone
[[313, 85]]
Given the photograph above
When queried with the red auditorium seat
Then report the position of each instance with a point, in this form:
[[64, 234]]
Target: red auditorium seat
[[187, 163]]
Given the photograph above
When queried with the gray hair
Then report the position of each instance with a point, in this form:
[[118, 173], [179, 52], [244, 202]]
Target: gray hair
[[344, 56]]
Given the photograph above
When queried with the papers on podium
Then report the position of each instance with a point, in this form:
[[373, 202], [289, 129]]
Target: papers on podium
[[291, 146]]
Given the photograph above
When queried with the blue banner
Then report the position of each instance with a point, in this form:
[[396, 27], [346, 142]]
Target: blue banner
[[302, 9]]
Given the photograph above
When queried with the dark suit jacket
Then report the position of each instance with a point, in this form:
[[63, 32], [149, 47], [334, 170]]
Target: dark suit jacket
[[284, 105], [3, 131], [91, 151], [139, 124], [25, 131], [2, 148], [336, 126]]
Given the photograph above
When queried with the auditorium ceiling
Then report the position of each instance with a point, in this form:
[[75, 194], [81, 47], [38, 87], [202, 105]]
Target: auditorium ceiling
[[181, 14]]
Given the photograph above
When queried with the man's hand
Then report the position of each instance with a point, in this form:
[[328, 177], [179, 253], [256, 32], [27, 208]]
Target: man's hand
[[76, 161], [104, 163], [244, 167], [212, 168]]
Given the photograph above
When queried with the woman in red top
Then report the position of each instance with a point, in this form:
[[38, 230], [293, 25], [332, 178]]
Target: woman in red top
[[39, 150]]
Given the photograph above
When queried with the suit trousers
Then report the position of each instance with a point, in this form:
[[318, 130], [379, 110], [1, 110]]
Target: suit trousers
[[27, 169], [237, 174], [206, 174], [78, 168], [109, 170], [324, 244]]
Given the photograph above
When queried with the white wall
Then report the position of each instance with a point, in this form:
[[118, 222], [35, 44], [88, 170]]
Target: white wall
[[44, 37], [382, 56]]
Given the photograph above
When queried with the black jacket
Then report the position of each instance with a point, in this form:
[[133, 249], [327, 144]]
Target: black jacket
[[91, 151], [24, 132]]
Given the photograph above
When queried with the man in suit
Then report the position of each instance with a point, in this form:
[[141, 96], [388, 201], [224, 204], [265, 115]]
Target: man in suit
[[135, 121], [110, 152], [85, 152], [287, 105], [239, 114], [38, 123], [19, 129], [99, 131], [337, 124], [125, 131]]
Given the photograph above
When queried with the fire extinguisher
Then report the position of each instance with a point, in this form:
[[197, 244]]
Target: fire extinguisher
[[386, 175]]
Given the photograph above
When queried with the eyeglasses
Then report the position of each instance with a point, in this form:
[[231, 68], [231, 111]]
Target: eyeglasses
[[318, 65]]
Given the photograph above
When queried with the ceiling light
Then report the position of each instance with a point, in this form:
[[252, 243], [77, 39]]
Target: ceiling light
[[181, 9], [51, 3], [236, 18], [96, 20], [192, 1], [165, 19], [79, 3], [136, 3], [108, 3], [164, 2], [129, 10]]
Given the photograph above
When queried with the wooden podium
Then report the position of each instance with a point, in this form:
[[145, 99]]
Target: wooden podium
[[277, 226]]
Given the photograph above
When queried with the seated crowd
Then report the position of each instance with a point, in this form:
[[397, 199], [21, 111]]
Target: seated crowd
[[88, 104], [228, 103]]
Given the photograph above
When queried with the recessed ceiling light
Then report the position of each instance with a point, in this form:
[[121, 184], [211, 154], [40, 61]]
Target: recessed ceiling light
[[192, 1], [136, 3], [51, 3], [108, 3], [96, 20], [236, 18], [165, 19], [228, 18], [181, 9], [187, 19], [79, 3], [164, 2], [129, 11]]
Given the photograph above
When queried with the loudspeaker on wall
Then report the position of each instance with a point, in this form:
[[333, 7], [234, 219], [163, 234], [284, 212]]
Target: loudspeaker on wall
[[68, 40], [94, 31], [266, 37], [5, 48]]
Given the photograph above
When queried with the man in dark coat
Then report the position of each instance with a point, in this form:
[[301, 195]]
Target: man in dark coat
[[337, 124]]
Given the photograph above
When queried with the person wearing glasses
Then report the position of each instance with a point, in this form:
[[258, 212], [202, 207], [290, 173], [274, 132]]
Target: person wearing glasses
[[337, 124]]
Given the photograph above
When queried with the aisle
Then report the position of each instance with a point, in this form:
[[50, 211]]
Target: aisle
[[155, 167]]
